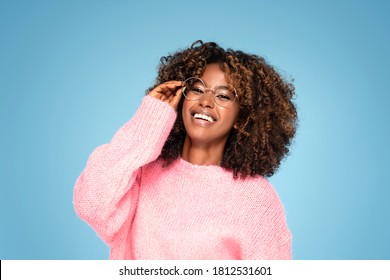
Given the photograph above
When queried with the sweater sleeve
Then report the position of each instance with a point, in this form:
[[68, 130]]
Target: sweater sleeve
[[106, 192]]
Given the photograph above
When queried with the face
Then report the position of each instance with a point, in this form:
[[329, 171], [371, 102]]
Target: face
[[205, 122]]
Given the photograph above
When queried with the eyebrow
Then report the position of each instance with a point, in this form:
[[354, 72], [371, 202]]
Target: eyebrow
[[223, 87], [217, 87]]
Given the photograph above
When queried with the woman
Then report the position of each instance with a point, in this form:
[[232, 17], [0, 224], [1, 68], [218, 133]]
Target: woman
[[185, 177]]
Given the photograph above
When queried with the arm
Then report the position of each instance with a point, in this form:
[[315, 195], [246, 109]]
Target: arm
[[106, 192]]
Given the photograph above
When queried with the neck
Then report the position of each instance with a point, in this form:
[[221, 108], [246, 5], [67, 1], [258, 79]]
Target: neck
[[202, 154]]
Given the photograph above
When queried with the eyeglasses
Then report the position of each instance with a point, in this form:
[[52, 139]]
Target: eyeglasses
[[195, 88]]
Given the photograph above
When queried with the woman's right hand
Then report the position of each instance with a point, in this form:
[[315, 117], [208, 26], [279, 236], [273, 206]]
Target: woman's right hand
[[169, 92]]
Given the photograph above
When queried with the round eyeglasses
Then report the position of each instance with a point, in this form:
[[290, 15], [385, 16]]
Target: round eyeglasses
[[195, 88]]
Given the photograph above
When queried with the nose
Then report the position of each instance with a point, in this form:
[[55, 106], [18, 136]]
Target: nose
[[207, 99]]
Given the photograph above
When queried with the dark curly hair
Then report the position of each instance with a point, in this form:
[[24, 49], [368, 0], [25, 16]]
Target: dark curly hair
[[267, 119]]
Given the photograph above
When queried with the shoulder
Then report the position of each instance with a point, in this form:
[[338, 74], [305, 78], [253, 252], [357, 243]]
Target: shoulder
[[263, 201], [260, 191]]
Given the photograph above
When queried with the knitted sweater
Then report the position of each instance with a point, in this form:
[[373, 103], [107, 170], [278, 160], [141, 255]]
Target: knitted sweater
[[143, 210]]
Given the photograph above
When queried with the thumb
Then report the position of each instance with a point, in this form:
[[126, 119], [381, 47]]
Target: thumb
[[176, 98]]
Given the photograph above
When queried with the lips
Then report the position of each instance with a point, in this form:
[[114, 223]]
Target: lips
[[203, 115]]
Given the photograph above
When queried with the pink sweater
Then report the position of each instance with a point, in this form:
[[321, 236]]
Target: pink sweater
[[143, 210]]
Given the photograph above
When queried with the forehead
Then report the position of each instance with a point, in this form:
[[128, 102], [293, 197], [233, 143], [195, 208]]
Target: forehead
[[214, 76]]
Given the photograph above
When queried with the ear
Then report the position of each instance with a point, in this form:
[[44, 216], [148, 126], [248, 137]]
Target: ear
[[235, 126]]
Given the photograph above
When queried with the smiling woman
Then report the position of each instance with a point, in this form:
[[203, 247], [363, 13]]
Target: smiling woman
[[208, 124], [185, 177]]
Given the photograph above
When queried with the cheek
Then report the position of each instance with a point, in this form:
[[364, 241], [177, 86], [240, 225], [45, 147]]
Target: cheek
[[230, 116], [235, 113], [184, 108], [185, 111]]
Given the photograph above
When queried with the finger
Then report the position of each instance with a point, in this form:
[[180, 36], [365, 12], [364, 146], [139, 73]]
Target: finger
[[176, 98], [170, 88], [157, 91], [160, 92], [165, 90], [172, 85]]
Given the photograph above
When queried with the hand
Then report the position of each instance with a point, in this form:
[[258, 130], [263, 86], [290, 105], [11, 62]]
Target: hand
[[169, 92]]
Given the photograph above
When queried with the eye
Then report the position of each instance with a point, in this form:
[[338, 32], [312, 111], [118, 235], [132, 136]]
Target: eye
[[224, 95], [196, 90]]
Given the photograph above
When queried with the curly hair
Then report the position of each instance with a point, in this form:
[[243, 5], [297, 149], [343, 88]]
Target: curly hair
[[267, 119]]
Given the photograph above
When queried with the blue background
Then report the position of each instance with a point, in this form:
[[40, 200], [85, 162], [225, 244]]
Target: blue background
[[72, 72]]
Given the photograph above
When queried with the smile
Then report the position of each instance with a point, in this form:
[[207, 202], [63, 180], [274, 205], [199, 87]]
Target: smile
[[203, 117]]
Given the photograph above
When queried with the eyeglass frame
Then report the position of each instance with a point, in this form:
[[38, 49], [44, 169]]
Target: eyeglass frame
[[205, 89]]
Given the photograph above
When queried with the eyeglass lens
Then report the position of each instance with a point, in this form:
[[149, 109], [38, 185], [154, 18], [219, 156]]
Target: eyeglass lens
[[195, 88]]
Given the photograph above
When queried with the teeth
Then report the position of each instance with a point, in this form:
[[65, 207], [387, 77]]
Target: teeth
[[203, 117]]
